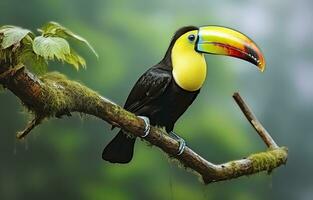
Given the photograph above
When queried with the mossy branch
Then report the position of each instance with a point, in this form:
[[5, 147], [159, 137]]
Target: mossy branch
[[54, 95]]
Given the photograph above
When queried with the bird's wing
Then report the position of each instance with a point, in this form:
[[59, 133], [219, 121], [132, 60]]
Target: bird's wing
[[149, 86]]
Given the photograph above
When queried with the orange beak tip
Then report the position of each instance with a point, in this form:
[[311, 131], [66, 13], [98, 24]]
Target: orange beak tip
[[261, 66]]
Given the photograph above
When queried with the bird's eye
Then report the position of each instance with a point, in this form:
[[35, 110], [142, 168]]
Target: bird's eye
[[191, 37]]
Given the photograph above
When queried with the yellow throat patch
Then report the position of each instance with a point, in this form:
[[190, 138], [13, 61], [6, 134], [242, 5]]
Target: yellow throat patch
[[189, 66]]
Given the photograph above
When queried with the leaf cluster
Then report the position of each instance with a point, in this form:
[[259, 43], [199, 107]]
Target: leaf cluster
[[21, 46]]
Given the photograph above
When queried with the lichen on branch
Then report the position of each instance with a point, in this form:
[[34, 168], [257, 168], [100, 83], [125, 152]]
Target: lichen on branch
[[61, 95]]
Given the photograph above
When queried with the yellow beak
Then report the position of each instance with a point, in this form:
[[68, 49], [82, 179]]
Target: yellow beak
[[225, 41]]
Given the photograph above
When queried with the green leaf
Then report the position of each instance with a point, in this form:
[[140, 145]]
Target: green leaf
[[36, 63], [75, 60], [55, 29], [51, 47], [12, 35]]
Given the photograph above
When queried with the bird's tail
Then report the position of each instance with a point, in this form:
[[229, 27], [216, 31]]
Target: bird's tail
[[120, 149]]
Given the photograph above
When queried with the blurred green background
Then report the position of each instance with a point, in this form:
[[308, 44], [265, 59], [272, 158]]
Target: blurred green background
[[61, 159]]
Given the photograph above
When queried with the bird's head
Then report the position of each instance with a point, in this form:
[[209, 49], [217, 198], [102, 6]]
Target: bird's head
[[190, 43]]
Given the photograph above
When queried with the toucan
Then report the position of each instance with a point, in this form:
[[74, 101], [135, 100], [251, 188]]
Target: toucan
[[165, 91]]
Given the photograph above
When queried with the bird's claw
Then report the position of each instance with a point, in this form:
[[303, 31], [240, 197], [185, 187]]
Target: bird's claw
[[147, 126], [181, 141], [182, 145]]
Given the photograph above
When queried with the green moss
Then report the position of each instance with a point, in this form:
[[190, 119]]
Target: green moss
[[268, 160], [61, 95]]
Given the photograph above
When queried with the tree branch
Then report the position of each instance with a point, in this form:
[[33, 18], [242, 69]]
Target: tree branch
[[53, 95], [266, 137]]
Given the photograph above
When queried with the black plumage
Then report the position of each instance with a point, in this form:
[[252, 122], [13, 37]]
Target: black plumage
[[156, 96]]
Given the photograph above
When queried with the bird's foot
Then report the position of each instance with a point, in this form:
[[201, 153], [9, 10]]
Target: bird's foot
[[182, 143], [147, 126]]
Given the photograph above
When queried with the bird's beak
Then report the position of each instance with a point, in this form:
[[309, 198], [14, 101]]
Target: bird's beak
[[224, 41]]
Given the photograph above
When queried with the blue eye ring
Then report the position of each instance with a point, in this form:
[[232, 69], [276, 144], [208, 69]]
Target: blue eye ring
[[191, 37]]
